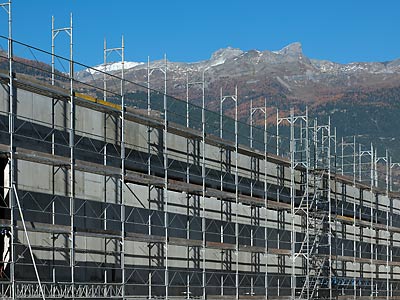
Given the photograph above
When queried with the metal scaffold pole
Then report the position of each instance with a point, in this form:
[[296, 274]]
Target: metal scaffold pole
[[187, 193], [354, 161], [71, 131], [203, 189], [161, 202], [193, 153], [228, 205], [354, 252], [72, 159], [359, 163], [236, 195], [263, 111], [266, 195], [54, 169], [330, 264], [387, 252], [225, 206], [122, 185], [165, 189], [387, 166], [292, 205], [105, 53], [149, 186], [342, 157], [277, 132], [372, 163], [11, 163], [120, 51], [309, 242]]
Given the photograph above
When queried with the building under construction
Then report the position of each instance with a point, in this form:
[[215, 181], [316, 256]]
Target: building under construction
[[104, 198]]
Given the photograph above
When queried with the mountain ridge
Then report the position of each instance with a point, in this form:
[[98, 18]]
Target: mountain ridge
[[290, 53]]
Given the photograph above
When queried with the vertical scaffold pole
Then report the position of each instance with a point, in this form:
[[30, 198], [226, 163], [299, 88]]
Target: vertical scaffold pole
[[266, 196], [329, 210], [165, 156], [203, 182], [374, 203], [375, 172], [11, 164], [196, 200], [354, 161], [187, 193], [387, 167], [279, 180], [122, 185], [236, 194], [307, 162], [359, 163], [253, 210], [72, 158], [234, 98], [149, 188], [105, 70], [354, 252], [120, 51], [387, 251], [390, 289], [372, 168], [71, 131], [342, 158], [161, 148], [263, 110], [372, 244], [292, 204], [251, 133], [390, 174], [277, 132], [52, 50], [53, 119], [221, 126]]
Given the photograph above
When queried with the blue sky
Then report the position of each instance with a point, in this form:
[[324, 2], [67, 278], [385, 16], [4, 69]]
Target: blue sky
[[187, 30]]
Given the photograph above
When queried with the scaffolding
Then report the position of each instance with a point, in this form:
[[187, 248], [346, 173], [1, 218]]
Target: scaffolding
[[126, 192]]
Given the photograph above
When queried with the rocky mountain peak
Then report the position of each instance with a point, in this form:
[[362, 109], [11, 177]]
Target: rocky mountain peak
[[226, 53], [293, 49]]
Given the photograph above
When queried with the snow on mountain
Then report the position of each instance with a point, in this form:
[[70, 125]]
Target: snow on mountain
[[113, 67], [325, 66]]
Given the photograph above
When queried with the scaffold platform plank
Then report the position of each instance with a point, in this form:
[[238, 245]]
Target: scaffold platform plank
[[351, 220], [185, 242], [364, 260], [358, 297], [252, 249], [252, 297], [139, 237], [217, 245], [279, 251]]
